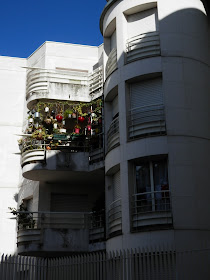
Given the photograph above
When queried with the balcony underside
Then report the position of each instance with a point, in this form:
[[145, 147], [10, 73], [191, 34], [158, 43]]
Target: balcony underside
[[62, 166], [37, 172]]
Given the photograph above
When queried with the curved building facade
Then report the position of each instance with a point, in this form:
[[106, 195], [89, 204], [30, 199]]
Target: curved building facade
[[156, 108]]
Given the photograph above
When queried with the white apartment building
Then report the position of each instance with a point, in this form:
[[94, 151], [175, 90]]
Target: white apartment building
[[136, 174]]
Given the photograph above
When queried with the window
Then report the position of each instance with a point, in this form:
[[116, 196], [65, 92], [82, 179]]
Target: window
[[151, 199], [146, 115]]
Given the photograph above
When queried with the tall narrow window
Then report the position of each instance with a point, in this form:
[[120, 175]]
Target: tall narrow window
[[151, 199], [146, 115]]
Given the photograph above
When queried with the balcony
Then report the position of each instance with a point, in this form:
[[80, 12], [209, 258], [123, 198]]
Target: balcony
[[74, 85], [113, 135], [111, 64], [142, 46], [151, 209], [96, 81], [115, 218], [146, 121], [80, 154], [50, 232], [56, 84]]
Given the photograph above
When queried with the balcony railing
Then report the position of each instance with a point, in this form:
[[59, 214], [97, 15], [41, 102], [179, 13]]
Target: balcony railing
[[113, 135], [142, 46], [111, 64], [34, 151], [92, 221], [38, 80], [147, 120], [96, 81], [115, 218], [97, 226], [151, 208]]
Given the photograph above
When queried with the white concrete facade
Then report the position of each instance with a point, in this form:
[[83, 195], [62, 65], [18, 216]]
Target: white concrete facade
[[155, 61], [183, 65]]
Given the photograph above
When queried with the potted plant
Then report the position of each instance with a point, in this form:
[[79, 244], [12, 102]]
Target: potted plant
[[20, 143], [68, 113], [39, 134], [59, 117], [81, 119], [77, 128], [48, 120]]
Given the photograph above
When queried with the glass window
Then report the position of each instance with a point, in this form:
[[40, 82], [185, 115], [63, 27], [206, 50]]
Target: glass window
[[152, 189]]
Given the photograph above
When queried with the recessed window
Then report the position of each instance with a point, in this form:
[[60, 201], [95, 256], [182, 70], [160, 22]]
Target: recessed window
[[151, 198], [146, 115]]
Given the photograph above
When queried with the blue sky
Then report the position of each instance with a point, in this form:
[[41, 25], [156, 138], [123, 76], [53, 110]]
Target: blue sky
[[26, 24]]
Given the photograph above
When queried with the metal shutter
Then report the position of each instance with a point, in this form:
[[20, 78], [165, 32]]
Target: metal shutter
[[115, 109], [116, 186], [69, 203], [113, 41], [142, 22], [146, 93]]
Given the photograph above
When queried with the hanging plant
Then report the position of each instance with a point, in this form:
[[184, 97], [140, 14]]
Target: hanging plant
[[37, 115], [59, 117], [77, 129], [68, 113], [48, 120], [89, 127], [81, 119]]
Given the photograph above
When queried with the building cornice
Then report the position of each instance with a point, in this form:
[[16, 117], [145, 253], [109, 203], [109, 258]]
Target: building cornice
[[106, 8]]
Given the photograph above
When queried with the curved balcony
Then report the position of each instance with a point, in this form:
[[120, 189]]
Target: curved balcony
[[46, 159], [146, 121], [113, 135], [74, 85], [111, 64], [73, 231], [56, 84], [115, 218], [96, 81], [142, 46], [151, 208]]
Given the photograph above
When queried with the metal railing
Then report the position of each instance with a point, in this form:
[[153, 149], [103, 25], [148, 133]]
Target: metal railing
[[115, 217], [34, 150], [146, 120], [142, 45], [154, 263], [93, 221], [96, 80], [154, 206], [97, 226], [111, 64], [113, 135]]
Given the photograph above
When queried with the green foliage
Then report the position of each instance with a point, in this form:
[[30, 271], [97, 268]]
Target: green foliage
[[23, 217]]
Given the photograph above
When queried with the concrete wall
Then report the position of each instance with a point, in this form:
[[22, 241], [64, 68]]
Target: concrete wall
[[184, 66], [12, 92]]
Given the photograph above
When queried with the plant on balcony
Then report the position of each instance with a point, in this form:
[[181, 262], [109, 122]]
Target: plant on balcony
[[59, 117], [68, 113], [39, 134], [23, 217], [77, 128], [48, 120], [20, 143]]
